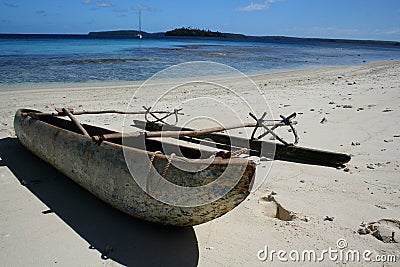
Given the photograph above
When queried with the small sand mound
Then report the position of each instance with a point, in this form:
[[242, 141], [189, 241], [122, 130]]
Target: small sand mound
[[271, 208]]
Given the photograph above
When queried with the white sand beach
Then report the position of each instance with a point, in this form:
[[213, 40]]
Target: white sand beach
[[48, 220]]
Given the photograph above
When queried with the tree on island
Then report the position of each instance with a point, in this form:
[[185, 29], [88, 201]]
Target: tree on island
[[194, 32]]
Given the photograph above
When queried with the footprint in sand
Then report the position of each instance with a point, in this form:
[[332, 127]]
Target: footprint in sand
[[385, 230], [271, 208]]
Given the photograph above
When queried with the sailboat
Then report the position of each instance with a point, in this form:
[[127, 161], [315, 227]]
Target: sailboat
[[139, 35]]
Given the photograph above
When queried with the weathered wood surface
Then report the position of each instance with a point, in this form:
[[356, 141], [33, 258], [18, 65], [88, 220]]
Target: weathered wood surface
[[74, 120], [261, 148], [61, 113], [103, 171], [175, 134], [183, 133]]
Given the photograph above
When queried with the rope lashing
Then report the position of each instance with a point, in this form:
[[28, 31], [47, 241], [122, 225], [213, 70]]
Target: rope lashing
[[162, 119], [240, 151], [261, 122], [228, 154], [287, 121], [100, 139], [163, 173], [149, 168]]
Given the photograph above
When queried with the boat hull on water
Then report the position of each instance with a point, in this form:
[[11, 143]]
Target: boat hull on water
[[102, 169]]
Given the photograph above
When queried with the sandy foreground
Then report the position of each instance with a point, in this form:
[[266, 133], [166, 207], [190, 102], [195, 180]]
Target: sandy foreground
[[48, 220]]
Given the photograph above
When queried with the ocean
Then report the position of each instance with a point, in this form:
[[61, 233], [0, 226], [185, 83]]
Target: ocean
[[70, 59]]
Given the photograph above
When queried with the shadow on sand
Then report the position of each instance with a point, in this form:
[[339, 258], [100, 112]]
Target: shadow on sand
[[115, 235]]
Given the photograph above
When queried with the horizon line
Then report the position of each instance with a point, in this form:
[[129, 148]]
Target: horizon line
[[250, 36]]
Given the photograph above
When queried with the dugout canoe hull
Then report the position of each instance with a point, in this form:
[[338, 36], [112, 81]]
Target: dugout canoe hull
[[103, 170]]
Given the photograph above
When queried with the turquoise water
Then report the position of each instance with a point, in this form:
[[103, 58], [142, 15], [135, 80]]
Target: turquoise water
[[47, 59]]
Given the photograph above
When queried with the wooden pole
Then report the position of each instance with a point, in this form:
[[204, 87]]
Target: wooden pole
[[61, 113], [196, 132], [119, 112], [74, 120], [175, 134]]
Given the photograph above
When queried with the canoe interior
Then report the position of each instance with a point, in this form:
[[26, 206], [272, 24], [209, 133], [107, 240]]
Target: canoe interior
[[151, 145]]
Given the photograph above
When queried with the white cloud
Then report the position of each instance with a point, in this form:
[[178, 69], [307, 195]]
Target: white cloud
[[11, 5], [143, 8], [103, 4], [97, 3], [257, 6]]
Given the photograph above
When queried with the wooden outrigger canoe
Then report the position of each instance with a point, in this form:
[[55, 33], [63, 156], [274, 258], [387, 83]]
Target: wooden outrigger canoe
[[101, 168], [259, 148]]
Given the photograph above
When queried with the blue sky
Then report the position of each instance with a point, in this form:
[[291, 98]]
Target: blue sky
[[349, 19]]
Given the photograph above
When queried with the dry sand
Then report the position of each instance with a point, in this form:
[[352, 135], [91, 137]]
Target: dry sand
[[47, 220]]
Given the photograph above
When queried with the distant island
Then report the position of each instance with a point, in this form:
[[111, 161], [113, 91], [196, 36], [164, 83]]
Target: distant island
[[187, 32], [200, 33], [182, 32]]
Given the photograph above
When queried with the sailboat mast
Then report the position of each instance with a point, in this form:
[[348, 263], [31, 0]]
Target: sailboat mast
[[140, 21]]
